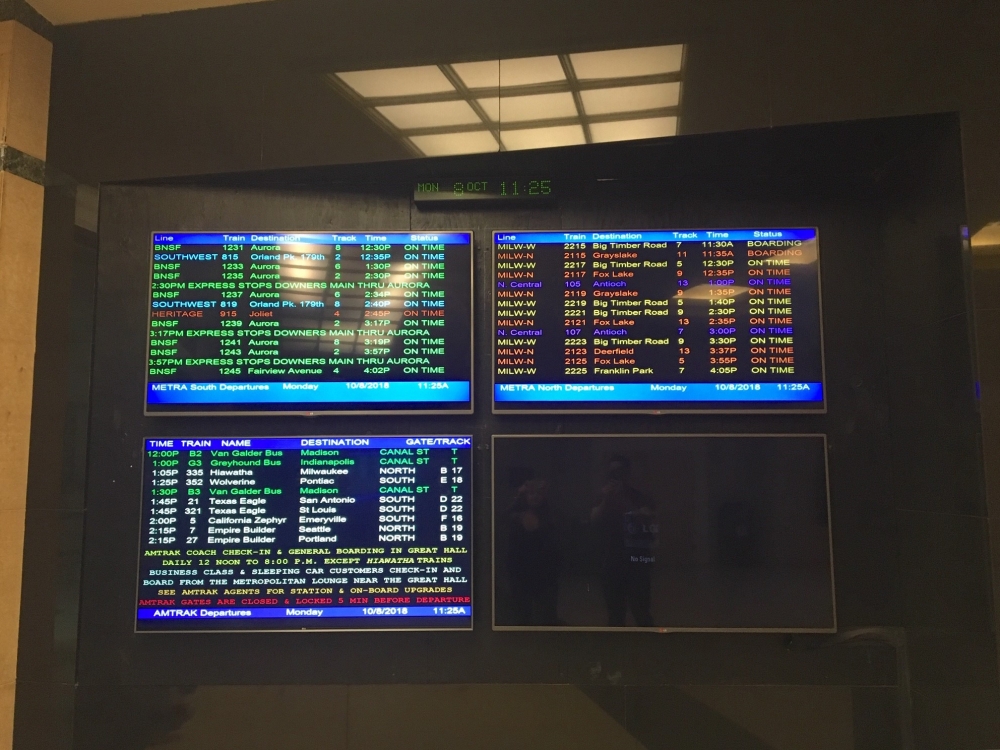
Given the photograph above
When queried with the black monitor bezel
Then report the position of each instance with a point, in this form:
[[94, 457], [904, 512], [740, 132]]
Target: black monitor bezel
[[633, 629]]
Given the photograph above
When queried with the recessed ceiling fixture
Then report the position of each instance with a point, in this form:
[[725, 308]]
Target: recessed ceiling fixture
[[988, 236], [522, 103]]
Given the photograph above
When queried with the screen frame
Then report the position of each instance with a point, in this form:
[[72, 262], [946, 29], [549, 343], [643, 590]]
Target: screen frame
[[133, 606], [322, 412], [663, 630], [655, 411]]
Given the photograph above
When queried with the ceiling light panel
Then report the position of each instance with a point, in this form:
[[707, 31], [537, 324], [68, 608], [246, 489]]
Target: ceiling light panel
[[423, 79], [563, 135], [534, 107], [988, 235], [595, 102], [522, 71], [479, 75], [429, 115], [623, 63], [631, 98], [633, 130], [451, 144]]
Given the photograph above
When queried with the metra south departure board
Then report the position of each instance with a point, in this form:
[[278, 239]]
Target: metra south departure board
[[308, 323], [657, 321], [320, 533]]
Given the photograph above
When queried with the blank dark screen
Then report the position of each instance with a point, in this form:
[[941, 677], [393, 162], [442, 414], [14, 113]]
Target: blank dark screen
[[662, 532]]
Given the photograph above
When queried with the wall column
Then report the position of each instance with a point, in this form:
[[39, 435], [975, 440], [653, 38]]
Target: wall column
[[25, 67]]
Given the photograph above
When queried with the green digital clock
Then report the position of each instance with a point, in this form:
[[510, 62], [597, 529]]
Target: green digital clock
[[452, 189]]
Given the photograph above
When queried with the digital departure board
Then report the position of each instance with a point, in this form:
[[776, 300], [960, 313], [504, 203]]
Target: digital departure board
[[658, 321], [310, 323], [306, 533]]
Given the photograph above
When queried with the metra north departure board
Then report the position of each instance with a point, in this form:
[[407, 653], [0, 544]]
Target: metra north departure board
[[658, 321], [308, 323], [306, 533]]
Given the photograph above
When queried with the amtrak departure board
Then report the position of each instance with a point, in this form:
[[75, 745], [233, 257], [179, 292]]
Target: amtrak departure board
[[658, 321], [309, 323], [306, 533]]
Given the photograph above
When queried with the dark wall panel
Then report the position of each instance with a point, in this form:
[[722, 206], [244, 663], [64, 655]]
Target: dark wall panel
[[902, 423]]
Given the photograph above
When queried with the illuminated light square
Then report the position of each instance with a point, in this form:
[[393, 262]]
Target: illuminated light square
[[534, 107], [479, 75], [521, 71], [621, 63], [988, 235], [450, 144], [563, 135], [429, 115], [423, 79], [633, 130], [631, 98]]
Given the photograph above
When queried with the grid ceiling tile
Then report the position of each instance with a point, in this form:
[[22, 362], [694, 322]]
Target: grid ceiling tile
[[429, 114], [423, 79], [561, 135], [631, 98], [621, 63], [479, 75], [633, 130], [450, 144], [521, 71], [534, 107]]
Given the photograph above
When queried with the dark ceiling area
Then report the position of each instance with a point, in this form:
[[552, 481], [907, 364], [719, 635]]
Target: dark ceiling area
[[246, 87]]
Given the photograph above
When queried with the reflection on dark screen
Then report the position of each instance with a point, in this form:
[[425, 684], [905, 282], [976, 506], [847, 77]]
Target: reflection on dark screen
[[681, 532]]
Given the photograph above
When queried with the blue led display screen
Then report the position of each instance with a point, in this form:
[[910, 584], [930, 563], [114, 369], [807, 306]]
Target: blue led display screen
[[678, 320], [321, 533], [307, 323]]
